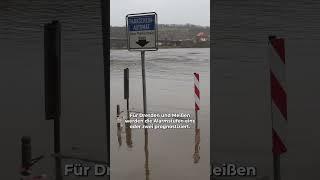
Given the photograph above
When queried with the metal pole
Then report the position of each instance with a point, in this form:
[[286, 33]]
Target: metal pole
[[276, 167], [144, 83], [128, 116], [145, 112], [126, 89]]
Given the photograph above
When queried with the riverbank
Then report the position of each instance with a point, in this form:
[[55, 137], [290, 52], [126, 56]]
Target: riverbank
[[168, 47]]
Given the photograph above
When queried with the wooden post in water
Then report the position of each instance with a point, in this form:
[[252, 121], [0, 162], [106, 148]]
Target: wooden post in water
[[118, 116], [118, 110]]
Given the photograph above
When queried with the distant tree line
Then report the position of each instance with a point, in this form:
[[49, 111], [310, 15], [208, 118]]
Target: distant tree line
[[167, 31]]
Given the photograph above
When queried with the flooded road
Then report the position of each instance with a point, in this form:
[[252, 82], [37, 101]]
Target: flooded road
[[157, 153]]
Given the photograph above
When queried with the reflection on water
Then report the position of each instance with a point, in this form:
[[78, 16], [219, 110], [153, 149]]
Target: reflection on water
[[128, 135], [196, 155], [129, 144], [119, 129], [146, 152]]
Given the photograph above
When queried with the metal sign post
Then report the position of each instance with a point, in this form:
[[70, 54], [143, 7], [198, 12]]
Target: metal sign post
[[142, 35], [52, 51], [144, 82]]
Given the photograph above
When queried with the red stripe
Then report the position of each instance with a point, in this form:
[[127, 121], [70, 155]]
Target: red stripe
[[197, 91], [196, 107], [278, 46], [278, 146], [278, 95], [196, 75]]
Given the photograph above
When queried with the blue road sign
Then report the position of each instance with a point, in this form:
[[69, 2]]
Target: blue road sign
[[142, 31]]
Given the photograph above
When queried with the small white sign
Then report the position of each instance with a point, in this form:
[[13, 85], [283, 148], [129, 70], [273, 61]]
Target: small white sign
[[142, 31]]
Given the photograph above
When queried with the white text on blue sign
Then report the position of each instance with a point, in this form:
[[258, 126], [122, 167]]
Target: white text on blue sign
[[141, 23]]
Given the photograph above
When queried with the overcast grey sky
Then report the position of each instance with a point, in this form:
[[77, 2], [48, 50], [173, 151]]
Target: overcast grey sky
[[169, 11]]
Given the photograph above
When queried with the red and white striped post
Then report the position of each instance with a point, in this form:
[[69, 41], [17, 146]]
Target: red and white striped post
[[196, 155], [196, 95], [278, 100]]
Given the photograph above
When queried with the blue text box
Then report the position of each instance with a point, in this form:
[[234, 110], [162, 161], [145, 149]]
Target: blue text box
[[141, 23]]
